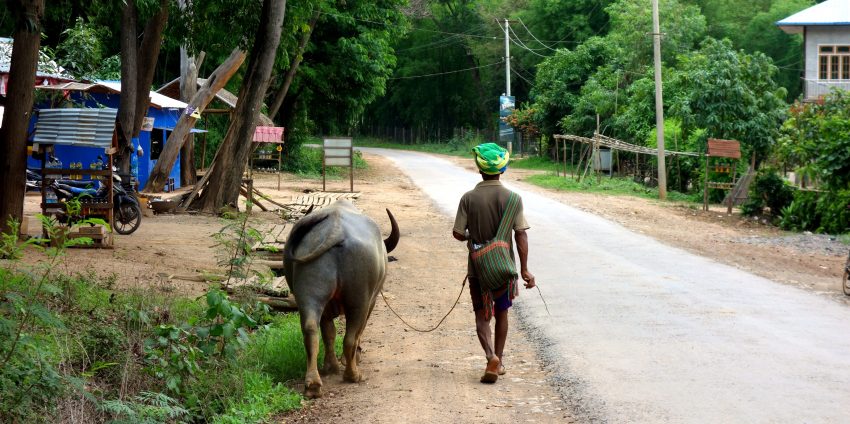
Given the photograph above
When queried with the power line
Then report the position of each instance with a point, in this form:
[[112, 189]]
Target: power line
[[522, 77], [532, 34], [412, 28], [519, 43], [448, 72]]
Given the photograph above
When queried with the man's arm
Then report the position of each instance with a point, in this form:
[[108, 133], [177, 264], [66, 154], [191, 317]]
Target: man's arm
[[458, 236], [522, 248]]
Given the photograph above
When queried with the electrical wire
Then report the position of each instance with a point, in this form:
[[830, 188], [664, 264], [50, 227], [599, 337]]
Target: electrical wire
[[532, 34], [448, 72], [412, 28], [520, 44]]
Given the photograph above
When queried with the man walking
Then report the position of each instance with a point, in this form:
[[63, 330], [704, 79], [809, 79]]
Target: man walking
[[478, 217]]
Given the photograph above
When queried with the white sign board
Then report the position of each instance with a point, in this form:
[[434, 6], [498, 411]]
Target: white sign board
[[338, 151]]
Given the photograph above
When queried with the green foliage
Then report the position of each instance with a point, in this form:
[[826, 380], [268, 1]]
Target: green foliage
[[29, 376], [763, 35], [825, 212], [682, 25], [801, 214], [82, 51], [612, 186], [730, 94], [176, 353], [261, 399], [816, 138], [279, 351], [768, 189], [146, 408]]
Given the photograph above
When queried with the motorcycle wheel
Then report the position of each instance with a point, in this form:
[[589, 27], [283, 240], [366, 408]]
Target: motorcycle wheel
[[128, 217]]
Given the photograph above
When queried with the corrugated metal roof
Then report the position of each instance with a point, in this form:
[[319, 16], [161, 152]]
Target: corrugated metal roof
[[114, 87], [76, 127], [830, 12]]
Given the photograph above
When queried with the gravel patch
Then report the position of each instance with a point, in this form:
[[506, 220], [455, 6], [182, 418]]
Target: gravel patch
[[807, 243]]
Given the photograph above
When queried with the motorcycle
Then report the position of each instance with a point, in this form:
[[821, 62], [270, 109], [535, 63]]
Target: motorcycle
[[33, 181], [127, 213]]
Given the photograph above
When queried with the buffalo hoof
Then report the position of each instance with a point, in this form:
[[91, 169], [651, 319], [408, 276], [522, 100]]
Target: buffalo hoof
[[330, 369], [352, 376], [313, 385], [313, 390]]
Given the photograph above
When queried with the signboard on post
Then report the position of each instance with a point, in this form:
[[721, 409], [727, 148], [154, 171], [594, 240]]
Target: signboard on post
[[338, 151], [506, 108]]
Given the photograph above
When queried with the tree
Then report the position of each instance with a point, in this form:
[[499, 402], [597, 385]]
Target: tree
[[763, 35], [560, 79], [138, 63], [19, 99], [225, 174], [816, 137], [730, 94]]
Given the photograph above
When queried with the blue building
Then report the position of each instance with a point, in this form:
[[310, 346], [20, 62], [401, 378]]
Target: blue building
[[161, 119]]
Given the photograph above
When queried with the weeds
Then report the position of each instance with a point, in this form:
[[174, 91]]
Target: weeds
[[73, 350]]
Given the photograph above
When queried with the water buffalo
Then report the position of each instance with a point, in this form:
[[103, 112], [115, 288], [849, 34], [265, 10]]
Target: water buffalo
[[335, 263]]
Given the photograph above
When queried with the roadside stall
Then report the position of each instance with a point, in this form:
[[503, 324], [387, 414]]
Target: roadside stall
[[267, 150], [85, 191]]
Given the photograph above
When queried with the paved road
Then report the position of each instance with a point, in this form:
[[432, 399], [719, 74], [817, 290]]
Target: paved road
[[641, 332]]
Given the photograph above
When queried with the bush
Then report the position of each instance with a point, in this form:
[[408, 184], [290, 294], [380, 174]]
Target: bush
[[769, 189], [819, 212]]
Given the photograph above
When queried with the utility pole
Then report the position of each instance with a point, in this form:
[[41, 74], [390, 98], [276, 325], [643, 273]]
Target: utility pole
[[507, 59], [659, 103]]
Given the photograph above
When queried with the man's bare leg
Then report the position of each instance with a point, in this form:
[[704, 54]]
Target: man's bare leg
[[485, 336], [501, 335]]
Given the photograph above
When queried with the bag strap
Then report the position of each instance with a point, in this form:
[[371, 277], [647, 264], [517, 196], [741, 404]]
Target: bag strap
[[511, 210]]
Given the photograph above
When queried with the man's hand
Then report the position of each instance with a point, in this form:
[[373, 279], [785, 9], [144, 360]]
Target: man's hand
[[529, 279], [460, 237]]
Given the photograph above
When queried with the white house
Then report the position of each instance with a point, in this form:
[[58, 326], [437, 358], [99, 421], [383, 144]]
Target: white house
[[826, 43]]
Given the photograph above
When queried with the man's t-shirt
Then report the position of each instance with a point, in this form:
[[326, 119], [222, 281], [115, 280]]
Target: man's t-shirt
[[480, 211]]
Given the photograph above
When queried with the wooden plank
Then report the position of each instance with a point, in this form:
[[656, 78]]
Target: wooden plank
[[724, 148]]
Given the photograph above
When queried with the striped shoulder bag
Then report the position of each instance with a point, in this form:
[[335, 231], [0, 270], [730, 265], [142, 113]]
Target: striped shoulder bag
[[492, 261]]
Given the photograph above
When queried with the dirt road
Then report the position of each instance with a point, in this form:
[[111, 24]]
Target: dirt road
[[645, 332]]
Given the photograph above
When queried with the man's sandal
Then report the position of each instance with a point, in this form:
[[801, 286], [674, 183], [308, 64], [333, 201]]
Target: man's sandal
[[491, 373]]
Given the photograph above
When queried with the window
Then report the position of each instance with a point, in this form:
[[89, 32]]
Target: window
[[834, 62]]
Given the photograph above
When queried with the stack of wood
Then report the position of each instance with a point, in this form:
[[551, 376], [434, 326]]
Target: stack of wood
[[101, 239], [276, 293]]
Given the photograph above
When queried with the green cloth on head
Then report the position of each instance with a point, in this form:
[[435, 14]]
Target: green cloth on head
[[491, 158]]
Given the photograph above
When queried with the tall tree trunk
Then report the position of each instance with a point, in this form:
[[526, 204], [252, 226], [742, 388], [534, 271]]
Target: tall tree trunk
[[138, 63], [226, 171], [293, 66], [188, 88], [215, 82], [129, 65], [19, 98]]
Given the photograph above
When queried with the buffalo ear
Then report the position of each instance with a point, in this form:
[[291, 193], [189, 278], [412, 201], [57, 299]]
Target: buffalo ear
[[392, 241]]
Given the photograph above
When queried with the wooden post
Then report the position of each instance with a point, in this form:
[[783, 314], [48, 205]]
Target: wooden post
[[705, 186], [557, 159]]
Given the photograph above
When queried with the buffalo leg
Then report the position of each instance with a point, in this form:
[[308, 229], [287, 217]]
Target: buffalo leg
[[310, 330], [355, 322], [331, 365]]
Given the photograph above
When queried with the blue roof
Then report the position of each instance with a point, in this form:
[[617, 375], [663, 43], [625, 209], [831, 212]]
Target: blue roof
[[830, 12]]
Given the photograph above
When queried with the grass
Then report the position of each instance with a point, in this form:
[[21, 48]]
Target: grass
[[454, 147], [614, 186], [279, 351], [78, 354], [845, 239]]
